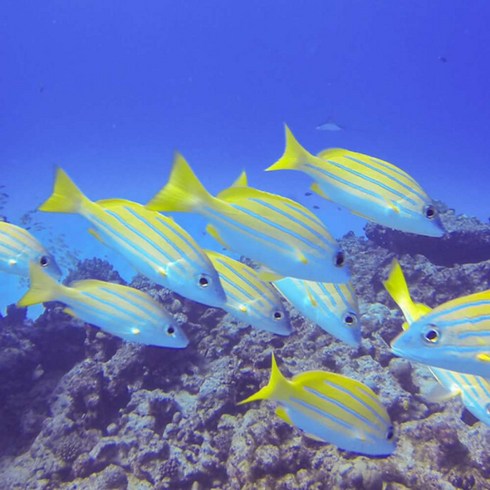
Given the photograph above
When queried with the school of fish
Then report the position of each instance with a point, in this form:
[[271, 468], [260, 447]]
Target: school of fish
[[297, 260]]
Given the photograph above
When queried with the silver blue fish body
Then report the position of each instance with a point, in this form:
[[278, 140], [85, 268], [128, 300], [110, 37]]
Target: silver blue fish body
[[333, 307], [454, 336], [18, 248], [124, 312]]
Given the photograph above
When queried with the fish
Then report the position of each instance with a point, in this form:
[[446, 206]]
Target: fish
[[333, 307], [474, 390], [267, 228], [248, 298], [455, 335], [154, 244], [329, 126], [122, 311], [331, 408], [369, 187], [18, 248]]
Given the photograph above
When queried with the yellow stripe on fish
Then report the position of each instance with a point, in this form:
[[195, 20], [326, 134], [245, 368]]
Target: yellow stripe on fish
[[332, 408], [367, 186], [154, 244], [18, 248], [119, 310], [248, 298]]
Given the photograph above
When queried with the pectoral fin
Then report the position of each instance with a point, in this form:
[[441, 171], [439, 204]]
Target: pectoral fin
[[211, 230], [315, 187]]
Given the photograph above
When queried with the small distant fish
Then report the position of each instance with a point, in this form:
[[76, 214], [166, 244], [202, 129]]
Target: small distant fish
[[273, 230], [331, 408], [474, 390], [333, 307], [442, 59], [329, 126], [119, 310], [369, 187], [154, 244], [308, 193], [316, 207], [18, 248], [454, 336], [248, 298]]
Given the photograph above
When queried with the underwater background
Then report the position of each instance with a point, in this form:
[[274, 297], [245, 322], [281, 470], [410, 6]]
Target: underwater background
[[109, 90]]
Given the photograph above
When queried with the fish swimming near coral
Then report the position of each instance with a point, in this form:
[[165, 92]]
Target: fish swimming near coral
[[331, 408], [369, 187], [119, 310], [18, 248], [248, 298], [333, 307], [453, 336], [154, 244], [270, 229]]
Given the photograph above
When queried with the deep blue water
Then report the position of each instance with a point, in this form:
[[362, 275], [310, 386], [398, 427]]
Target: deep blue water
[[108, 90]]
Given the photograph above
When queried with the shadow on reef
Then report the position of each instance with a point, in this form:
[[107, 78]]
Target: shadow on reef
[[82, 409]]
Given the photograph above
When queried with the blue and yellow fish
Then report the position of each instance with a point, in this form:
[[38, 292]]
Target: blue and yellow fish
[[454, 335], [119, 310], [331, 408], [18, 248], [267, 228], [248, 298], [333, 307], [154, 244], [367, 186], [474, 390]]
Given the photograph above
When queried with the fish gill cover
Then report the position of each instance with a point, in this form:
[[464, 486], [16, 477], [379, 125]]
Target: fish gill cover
[[108, 91]]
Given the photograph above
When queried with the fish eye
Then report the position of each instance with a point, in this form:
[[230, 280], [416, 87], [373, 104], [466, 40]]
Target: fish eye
[[277, 315], [170, 330], [350, 319], [339, 259], [432, 335], [44, 261], [203, 282], [390, 433], [430, 212]]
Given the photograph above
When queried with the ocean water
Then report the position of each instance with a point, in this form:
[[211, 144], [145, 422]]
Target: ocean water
[[109, 90]]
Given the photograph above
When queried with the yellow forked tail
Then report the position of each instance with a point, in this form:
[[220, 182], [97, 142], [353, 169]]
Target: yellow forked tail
[[294, 155], [397, 288], [277, 384], [183, 192], [42, 288], [66, 196]]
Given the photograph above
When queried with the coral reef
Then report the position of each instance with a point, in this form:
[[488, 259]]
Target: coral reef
[[82, 409]]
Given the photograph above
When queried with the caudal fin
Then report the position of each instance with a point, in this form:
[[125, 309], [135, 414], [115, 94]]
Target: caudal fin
[[294, 156], [183, 192], [42, 288], [276, 381], [396, 286], [66, 196]]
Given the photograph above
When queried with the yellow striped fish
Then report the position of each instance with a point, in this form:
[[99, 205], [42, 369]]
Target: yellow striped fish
[[474, 390], [18, 248], [333, 307], [248, 298], [331, 408], [267, 228], [119, 310], [367, 186], [154, 244]]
